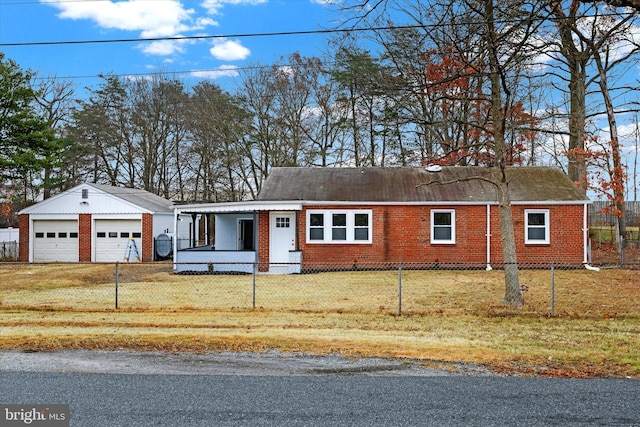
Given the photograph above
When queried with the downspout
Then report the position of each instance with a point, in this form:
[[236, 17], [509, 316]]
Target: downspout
[[585, 234], [488, 237]]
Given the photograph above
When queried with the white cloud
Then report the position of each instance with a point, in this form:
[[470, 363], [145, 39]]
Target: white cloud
[[205, 22], [229, 50], [152, 19], [223, 71], [164, 47], [214, 6]]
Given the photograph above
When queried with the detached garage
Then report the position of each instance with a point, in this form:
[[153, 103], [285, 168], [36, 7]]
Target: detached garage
[[94, 223]]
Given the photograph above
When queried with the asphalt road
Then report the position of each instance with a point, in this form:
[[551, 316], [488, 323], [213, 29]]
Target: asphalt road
[[279, 390]]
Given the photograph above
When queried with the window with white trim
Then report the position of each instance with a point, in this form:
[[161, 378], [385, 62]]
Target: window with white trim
[[443, 226], [339, 226], [536, 226]]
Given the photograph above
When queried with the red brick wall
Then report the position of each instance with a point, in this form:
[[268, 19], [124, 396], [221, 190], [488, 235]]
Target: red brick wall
[[147, 237], [566, 236], [402, 233], [84, 237], [263, 240], [25, 238]]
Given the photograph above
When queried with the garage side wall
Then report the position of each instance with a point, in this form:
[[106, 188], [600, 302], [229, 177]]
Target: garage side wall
[[25, 232]]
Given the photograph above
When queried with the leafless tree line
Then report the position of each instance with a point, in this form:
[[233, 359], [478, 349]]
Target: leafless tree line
[[471, 82]]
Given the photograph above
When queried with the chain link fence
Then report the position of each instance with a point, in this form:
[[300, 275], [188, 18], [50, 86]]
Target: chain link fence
[[390, 288]]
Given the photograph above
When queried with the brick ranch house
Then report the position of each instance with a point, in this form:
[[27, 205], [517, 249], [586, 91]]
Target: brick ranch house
[[305, 217], [94, 223]]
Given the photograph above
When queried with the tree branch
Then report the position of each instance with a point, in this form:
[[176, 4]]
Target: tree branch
[[634, 4], [456, 181]]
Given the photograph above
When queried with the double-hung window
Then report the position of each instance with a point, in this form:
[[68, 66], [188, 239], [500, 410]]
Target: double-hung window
[[443, 226], [339, 226], [536, 226]]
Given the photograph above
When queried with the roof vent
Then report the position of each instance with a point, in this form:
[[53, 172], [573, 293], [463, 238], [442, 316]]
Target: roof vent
[[434, 168]]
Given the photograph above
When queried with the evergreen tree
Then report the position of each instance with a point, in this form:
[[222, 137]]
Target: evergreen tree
[[27, 144]]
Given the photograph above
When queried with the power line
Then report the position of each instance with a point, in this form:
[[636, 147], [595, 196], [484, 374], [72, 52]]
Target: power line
[[208, 37], [246, 35]]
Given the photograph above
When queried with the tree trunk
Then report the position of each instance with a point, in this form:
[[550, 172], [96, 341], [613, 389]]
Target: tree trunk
[[576, 60], [513, 293], [577, 169]]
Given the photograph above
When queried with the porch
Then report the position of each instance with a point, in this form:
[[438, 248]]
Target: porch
[[226, 238]]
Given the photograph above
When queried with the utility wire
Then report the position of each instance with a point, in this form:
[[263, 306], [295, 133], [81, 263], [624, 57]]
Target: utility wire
[[207, 37], [245, 35]]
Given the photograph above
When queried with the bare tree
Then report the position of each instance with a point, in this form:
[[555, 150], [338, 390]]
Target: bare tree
[[217, 125], [323, 119], [617, 49], [101, 125], [580, 39], [55, 99], [362, 80], [491, 44], [634, 4], [157, 127]]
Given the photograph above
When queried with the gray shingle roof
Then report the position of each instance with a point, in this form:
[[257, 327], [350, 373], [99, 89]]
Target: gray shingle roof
[[411, 184], [138, 197]]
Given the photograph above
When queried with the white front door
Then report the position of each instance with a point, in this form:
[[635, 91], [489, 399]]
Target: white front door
[[282, 240]]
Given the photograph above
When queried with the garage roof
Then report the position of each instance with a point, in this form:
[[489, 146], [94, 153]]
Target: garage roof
[[139, 197], [101, 199]]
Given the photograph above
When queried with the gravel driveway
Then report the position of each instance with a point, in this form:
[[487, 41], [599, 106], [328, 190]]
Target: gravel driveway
[[227, 363]]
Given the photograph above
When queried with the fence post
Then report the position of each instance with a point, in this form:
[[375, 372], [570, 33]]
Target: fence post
[[553, 290], [253, 292], [400, 289], [621, 246], [117, 273]]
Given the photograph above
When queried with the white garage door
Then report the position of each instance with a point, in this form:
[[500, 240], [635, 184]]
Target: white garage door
[[55, 241], [112, 239]]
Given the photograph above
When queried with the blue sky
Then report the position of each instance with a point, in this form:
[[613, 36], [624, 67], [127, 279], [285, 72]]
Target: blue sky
[[31, 21], [28, 21]]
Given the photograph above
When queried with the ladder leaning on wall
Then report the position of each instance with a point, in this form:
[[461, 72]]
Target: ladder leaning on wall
[[131, 249]]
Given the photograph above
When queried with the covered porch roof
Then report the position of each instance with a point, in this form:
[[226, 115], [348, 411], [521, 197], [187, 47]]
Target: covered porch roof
[[229, 207]]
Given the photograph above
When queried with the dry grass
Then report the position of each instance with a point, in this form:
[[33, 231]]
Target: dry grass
[[448, 316]]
